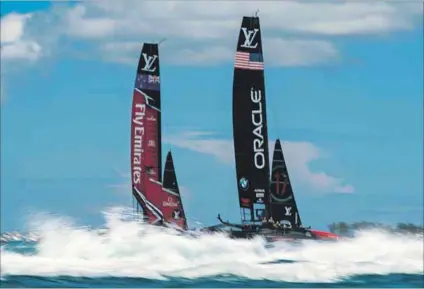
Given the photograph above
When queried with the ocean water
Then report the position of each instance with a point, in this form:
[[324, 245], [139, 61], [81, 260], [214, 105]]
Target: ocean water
[[130, 254]]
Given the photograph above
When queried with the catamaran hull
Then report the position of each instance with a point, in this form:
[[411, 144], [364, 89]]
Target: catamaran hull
[[275, 235], [277, 238]]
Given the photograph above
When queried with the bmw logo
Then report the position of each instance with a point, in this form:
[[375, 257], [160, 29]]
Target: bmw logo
[[244, 183]]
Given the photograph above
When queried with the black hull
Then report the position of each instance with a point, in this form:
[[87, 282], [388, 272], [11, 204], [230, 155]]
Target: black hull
[[271, 235]]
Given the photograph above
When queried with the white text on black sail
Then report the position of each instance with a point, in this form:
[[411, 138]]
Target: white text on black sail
[[139, 113], [257, 120]]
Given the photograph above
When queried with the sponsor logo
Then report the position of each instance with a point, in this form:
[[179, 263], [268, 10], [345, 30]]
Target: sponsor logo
[[249, 37], [149, 61], [259, 201], [170, 203], [176, 214], [286, 223], [244, 183], [287, 211], [151, 143], [245, 201], [151, 118], [138, 134], [280, 184], [281, 190], [260, 195], [257, 121]]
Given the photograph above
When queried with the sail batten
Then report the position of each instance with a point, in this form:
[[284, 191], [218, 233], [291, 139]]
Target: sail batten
[[250, 123]]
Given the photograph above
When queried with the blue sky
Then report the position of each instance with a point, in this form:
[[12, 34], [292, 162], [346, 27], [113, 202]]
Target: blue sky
[[344, 92]]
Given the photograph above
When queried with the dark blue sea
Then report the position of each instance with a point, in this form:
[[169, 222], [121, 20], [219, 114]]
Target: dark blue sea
[[125, 253]]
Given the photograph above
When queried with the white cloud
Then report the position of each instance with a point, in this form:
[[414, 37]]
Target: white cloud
[[344, 18], [298, 156], [204, 32], [283, 52], [14, 44], [218, 19], [78, 24], [202, 55], [12, 27], [221, 149], [21, 50]]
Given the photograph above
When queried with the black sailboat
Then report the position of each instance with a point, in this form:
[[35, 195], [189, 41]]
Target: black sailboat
[[267, 206]]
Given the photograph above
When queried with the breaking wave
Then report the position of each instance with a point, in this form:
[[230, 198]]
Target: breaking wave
[[126, 248]]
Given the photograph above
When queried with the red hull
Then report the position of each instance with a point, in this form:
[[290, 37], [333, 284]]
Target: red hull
[[325, 235]]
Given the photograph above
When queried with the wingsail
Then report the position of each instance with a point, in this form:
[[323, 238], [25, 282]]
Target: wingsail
[[173, 209], [146, 134], [250, 122], [283, 206]]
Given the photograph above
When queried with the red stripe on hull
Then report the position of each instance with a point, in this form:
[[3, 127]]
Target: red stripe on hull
[[325, 235]]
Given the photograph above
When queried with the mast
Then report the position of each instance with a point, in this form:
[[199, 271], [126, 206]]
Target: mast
[[283, 205], [146, 133], [172, 208], [250, 123]]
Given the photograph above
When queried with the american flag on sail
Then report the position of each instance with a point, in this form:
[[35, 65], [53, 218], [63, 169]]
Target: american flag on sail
[[250, 61]]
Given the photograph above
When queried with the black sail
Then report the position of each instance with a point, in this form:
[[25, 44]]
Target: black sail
[[250, 123], [148, 81], [282, 201], [170, 182]]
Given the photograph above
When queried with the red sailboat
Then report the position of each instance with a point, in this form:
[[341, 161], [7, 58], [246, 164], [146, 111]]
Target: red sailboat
[[158, 200]]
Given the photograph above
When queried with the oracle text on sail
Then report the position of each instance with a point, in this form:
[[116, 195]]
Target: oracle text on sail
[[258, 136]]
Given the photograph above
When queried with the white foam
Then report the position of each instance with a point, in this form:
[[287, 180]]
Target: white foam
[[130, 249]]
